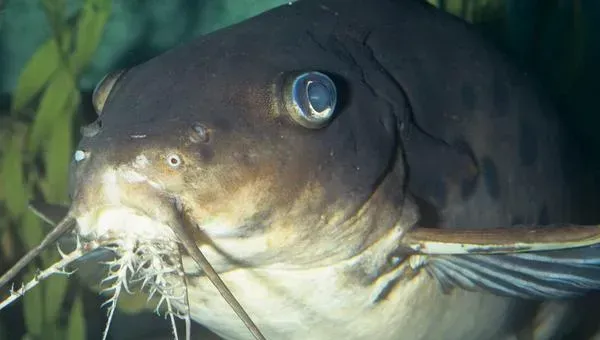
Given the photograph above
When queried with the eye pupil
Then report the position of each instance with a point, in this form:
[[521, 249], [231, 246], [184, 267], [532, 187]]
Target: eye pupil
[[319, 96], [174, 160], [311, 99]]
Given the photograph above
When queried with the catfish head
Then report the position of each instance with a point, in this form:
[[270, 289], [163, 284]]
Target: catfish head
[[280, 163], [272, 154]]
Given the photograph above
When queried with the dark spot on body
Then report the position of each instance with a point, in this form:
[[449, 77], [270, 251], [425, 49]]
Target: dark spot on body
[[206, 153], [429, 216], [500, 97], [468, 97], [468, 184], [544, 216], [528, 144], [468, 187], [490, 177], [440, 193], [464, 147]]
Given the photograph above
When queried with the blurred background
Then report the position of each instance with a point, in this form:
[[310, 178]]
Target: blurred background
[[53, 52]]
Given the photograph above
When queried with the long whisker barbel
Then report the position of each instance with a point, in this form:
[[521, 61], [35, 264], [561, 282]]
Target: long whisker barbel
[[193, 250]]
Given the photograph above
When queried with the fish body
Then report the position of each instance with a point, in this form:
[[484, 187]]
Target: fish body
[[304, 218]]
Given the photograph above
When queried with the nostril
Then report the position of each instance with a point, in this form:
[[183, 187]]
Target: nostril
[[199, 133], [79, 156]]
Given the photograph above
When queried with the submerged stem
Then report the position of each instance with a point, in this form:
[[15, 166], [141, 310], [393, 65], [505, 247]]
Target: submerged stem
[[56, 268], [61, 228]]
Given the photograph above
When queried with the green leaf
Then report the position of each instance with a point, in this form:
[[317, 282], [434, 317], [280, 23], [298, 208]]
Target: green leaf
[[55, 101], [34, 315], [76, 328], [94, 15], [36, 73], [7, 240], [55, 290], [30, 231], [56, 14], [58, 155], [54, 186], [12, 177]]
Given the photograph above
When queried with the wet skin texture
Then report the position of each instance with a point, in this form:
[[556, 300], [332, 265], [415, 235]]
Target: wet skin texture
[[431, 119]]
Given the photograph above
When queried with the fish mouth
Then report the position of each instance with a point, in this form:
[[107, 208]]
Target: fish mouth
[[148, 258], [123, 226], [148, 239], [159, 239]]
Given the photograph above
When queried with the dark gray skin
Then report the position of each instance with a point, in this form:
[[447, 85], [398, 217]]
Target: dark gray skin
[[434, 127]]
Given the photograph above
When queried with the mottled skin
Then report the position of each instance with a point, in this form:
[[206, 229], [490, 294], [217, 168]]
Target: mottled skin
[[431, 120]]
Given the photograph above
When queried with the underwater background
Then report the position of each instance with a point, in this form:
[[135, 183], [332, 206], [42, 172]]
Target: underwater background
[[53, 52]]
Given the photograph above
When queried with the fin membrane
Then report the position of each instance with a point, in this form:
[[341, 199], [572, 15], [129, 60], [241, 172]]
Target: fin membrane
[[555, 274]]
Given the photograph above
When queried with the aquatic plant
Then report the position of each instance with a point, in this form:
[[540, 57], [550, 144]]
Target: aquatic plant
[[37, 140]]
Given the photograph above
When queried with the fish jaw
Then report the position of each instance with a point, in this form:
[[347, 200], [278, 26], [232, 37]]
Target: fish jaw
[[124, 224], [343, 301], [148, 259], [118, 203]]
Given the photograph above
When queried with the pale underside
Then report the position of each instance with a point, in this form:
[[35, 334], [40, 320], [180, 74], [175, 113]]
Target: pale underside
[[334, 302]]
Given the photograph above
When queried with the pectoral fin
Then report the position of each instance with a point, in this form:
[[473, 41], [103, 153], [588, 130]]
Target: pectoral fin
[[533, 263], [500, 240]]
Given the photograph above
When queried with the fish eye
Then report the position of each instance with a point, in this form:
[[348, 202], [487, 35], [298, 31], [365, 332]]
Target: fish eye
[[104, 89], [311, 98], [173, 160]]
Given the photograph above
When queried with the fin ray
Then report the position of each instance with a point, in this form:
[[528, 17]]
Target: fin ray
[[552, 274]]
